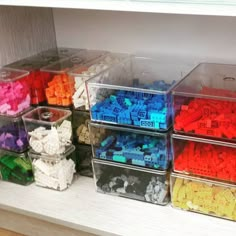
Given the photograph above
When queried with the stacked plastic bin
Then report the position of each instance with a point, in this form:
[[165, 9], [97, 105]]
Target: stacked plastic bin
[[15, 165], [130, 106], [51, 150], [61, 86], [81, 115], [204, 177], [37, 80]]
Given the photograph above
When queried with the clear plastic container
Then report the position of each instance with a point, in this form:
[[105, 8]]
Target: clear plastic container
[[86, 71], [80, 126], [55, 54], [204, 102], [37, 80], [13, 135], [49, 129], [16, 168], [84, 160], [203, 196], [131, 146], [135, 183], [60, 86], [135, 92], [54, 173], [14, 91], [204, 157]]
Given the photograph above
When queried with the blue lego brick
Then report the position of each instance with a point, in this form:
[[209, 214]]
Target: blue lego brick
[[147, 124], [109, 118], [137, 149], [105, 144], [141, 109], [138, 162]]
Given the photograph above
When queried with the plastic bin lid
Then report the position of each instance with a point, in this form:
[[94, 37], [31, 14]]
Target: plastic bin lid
[[10, 75], [64, 65], [209, 80], [114, 57], [59, 52], [46, 115], [31, 63]]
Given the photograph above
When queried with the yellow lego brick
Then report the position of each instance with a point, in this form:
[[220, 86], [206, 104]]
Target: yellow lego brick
[[195, 186], [181, 194], [177, 185], [197, 201], [229, 195], [183, 206]]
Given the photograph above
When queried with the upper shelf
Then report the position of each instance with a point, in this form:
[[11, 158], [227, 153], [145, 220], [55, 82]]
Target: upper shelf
[[190, 7]]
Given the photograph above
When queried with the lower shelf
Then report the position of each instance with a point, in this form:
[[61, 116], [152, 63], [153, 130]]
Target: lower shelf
[[81, 208]]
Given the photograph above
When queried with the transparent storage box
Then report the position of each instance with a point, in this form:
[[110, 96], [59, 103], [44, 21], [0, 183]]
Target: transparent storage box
[[54, 173], [204, 102], [13, 135], [55, 54], [14, 91], [16, 168], [203, 196], [204, 157], [84, 72], [84, 160], [49, 129], [135, 183], [80, 126], [60, 86], [131, 146], [136, 92], [37, 81]]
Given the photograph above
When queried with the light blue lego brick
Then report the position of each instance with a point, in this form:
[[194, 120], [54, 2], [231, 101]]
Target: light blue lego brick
[[147, 158], [109, 118], [103, 155], [105, 144], [119, 158], [163, 126], [119, 153], [138, 162]]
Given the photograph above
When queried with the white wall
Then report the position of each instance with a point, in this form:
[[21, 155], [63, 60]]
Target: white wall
[[24, 31], [195, 38]]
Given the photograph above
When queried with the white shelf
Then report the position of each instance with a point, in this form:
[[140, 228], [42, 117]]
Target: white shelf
[[227, 8], [81, 208]]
